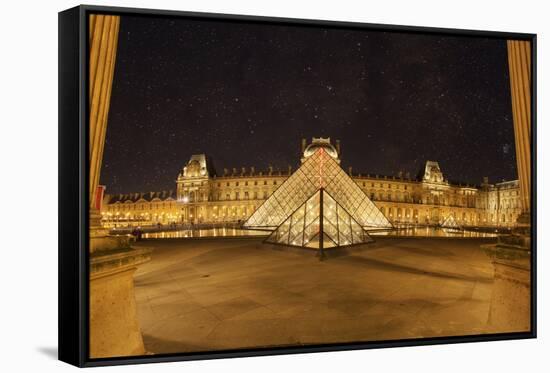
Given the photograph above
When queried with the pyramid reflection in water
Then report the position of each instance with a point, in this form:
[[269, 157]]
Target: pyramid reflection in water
[[318, 206]]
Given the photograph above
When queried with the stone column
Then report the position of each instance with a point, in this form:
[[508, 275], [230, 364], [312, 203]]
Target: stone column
[[114, 327], [510, 309], [103, 38], [519, 63]]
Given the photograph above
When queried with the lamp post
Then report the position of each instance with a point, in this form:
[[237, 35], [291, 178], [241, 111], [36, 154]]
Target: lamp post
[[185, 201]]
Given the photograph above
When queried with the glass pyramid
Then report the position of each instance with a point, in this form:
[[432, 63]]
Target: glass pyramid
[[450, 223], [319, 223], [318, 171]]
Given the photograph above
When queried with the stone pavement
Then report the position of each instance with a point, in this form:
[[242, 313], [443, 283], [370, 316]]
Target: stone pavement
[[198, 295]]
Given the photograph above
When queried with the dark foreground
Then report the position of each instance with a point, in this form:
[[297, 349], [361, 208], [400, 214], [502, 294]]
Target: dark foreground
[[198, 295]]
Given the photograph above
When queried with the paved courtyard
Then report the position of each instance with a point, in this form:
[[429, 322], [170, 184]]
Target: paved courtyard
[[197, 295]]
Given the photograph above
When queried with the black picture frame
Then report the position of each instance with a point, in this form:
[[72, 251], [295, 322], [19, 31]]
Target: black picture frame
[[73, 188]]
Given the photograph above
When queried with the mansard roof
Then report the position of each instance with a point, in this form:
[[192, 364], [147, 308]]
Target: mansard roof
[[199, 165], [252, 172], [432, 173], [166, 195]]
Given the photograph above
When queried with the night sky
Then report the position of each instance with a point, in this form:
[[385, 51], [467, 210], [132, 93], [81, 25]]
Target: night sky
[[246, 94]]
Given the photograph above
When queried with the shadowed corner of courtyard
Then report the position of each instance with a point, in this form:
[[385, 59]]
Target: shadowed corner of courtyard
[[197, 295]]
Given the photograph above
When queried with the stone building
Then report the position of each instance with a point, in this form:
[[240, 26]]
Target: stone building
[[203, 196]]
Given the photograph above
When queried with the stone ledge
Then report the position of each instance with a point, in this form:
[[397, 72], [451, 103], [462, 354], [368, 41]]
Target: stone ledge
[[108, 262], [508, 252]]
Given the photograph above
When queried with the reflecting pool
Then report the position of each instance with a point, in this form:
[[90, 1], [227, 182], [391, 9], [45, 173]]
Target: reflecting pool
[[208, 232], [432, 232], [399, 232]]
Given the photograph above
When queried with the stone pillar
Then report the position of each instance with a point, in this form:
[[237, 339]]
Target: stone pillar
[[519, 63], [103, 38], [510, 309], [114, 327]]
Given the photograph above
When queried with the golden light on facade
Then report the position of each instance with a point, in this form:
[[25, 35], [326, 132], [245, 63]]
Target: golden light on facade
[[236, 198]]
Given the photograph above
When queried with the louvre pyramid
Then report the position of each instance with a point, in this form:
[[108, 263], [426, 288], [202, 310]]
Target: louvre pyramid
[[450, 222], [319, 171], [320, 222]]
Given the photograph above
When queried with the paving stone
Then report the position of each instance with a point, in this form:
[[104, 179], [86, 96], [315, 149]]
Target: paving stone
[[200, 295]]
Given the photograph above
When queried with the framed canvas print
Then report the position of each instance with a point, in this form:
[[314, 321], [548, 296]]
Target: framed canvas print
[[238, 186]]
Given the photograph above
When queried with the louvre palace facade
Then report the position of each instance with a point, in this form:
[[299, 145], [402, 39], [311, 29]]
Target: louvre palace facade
[[202, 196]]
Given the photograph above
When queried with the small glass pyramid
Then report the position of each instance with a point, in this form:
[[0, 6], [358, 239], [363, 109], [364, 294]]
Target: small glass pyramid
[[319, 223], [318, 171], [450, 223]]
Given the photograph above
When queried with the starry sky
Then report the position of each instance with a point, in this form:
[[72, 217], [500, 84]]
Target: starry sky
[[246, 94]]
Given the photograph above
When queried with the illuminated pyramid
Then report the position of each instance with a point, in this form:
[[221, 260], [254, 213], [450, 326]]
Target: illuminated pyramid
[[320, 175], [450, 223], [320, 222]]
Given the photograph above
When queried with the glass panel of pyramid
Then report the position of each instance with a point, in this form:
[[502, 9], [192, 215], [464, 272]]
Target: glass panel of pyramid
[[318, 171], [450, 223], [303, 226]]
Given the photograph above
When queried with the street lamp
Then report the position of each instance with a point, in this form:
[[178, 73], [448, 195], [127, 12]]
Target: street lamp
[[184, 200]]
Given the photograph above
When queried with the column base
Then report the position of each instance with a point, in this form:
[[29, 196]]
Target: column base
[[114, 327], [510, 309]]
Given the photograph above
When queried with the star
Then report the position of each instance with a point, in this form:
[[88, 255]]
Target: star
[[254, 96]]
